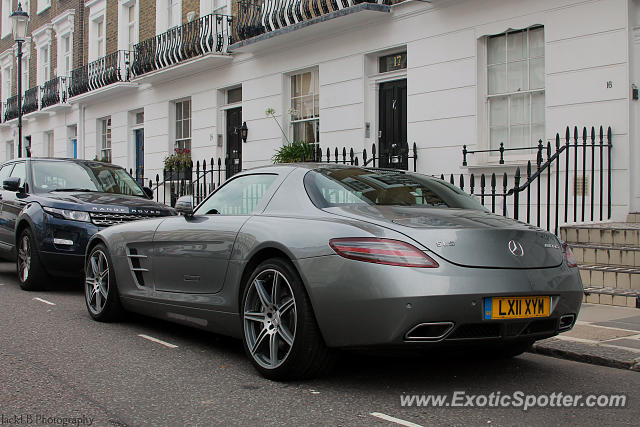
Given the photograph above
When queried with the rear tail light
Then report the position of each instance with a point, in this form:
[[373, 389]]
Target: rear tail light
[[568, 256], [382, 251]]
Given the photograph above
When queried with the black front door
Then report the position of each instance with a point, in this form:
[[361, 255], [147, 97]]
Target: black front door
[[393, 149], [233, 158], [139, 136]]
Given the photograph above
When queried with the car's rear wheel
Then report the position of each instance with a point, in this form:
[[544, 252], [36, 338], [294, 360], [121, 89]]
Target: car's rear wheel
[[280, 333], [31, 272], [100, 289]]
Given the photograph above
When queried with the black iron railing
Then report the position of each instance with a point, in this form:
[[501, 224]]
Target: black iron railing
[[256, 17], [11, 108], [53, 92], [104, 71], [546, 194], [210, 33], [500, 151], [30, 101]]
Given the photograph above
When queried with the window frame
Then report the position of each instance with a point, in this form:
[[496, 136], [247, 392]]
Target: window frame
[[105, 148], [186, 142], [315, 83], [509, 95], [43, 5]]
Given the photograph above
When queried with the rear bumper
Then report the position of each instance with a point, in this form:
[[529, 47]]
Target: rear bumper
[[363, 304]]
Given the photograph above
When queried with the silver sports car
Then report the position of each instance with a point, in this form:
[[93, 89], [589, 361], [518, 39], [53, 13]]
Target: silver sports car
[[300, 260]]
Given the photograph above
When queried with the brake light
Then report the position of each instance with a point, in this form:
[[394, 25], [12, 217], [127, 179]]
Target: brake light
[[382, 251], [568, 256]]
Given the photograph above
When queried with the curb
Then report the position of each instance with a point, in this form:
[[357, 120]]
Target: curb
[[588, 353]]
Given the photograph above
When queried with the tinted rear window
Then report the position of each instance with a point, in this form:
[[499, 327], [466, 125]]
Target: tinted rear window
[[329, 187]]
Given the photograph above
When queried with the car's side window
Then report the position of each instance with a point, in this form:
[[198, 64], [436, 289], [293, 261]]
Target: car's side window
[[4, 172], [19, 171], [240, 196]]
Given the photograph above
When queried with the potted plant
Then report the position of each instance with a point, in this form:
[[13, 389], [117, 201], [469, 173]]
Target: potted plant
[[178, 165]]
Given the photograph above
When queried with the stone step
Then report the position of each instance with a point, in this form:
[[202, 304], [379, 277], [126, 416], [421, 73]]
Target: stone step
[[613, 233], [633, 218], [606, 255], [594, 275], [612, 296]]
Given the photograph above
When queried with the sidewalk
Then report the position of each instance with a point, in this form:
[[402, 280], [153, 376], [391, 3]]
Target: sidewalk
[[603, 335]]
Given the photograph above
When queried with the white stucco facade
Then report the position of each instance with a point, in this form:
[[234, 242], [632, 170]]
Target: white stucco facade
[[591, 54]]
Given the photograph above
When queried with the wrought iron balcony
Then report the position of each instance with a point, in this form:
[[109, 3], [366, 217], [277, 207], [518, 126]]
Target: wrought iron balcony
[[11, 108], [30, 102], [210, 33], [102, 72], [53, 92], [256, 17]]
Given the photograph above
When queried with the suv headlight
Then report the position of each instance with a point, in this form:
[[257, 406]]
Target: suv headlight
[[68, 214]]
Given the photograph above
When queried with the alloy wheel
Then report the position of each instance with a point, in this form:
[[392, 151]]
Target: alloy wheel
[[97, 281], [270, 318], [24, 258]]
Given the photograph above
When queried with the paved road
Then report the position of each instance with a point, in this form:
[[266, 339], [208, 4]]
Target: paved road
[[55, 361]]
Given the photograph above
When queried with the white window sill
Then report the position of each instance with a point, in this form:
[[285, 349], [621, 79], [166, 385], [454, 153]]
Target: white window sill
[[44, 9]]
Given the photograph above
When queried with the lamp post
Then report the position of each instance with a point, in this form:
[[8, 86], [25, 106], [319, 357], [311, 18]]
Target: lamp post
[[20, 23]]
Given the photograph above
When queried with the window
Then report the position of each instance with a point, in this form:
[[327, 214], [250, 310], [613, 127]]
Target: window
[[44, 64], [9, 151], [25, 75], [105, 139], [43, 5], [6, 83], [174, 13], [100, 47], [66, 63], [183, 124], [305, 107], [515, 88], [6, 21], [234, 95], [132, 26], [4, 171], [48, 144], [239, 196], [213, 6], [19, 171]]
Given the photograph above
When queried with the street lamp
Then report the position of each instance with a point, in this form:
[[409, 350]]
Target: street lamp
[[20, 23], [244, 130]]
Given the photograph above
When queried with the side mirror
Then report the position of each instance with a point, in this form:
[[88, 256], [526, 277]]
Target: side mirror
[[11, 184], [148, 192], [184, 206]]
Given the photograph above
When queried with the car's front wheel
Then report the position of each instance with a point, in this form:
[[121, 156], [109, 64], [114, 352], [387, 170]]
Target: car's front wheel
[[280, 333], [101, 292], [31, 272]]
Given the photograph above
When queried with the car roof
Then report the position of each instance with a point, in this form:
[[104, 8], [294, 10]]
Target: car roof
[[62, 160]]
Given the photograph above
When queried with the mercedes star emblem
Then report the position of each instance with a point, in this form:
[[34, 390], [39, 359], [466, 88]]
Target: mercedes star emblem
[[516, 248]]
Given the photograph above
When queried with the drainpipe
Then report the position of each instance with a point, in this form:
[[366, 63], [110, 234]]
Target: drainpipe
[[81, 135]]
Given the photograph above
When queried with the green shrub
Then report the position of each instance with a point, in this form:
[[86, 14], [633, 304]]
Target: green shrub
[[297, 151]]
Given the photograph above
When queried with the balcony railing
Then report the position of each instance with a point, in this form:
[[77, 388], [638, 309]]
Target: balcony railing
[[11, 108], [102, 72], [210, 33], [30, 101], [256, 17], [53, 92]]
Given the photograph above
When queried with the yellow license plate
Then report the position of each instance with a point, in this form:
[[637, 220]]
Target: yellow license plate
[[516, 307]]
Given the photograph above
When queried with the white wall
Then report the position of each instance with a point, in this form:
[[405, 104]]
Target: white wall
[[586, 46]]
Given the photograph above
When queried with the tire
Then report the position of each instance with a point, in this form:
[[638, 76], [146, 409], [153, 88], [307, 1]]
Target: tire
[[31, 273], [100, 289], [288, 326]]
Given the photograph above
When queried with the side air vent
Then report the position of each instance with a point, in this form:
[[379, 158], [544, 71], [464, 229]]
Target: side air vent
[[135, 263]]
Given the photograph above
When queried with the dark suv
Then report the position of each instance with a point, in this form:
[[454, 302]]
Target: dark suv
[[49, 208]]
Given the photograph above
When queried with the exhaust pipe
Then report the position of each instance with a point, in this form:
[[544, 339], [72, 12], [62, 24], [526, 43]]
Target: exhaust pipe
[[566, 322], [429, 331]]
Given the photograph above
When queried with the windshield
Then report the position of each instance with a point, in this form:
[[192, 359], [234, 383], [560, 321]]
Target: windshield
[[330, 187], [71, 176]]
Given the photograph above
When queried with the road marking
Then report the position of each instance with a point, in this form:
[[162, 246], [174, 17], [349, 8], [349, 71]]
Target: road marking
[[156, 340], [394, 419], [44, 301]]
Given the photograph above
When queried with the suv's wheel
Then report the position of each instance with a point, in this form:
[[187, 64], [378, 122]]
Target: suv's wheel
[[280, 333], [100, 290], [31, 272]]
